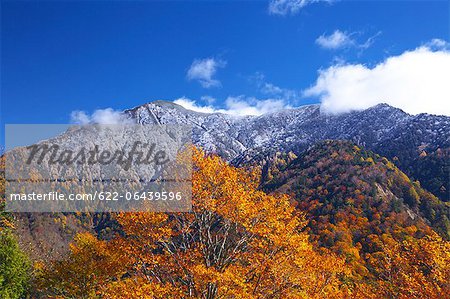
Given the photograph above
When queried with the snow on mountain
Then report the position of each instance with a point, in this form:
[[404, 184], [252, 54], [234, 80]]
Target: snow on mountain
[[240, 139]]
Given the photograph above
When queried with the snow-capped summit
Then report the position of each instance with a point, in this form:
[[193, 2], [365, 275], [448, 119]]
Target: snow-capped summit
[[381, 128]]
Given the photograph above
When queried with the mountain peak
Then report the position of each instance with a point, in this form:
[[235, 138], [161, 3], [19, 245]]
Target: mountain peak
[[385, 107], [159, 103]]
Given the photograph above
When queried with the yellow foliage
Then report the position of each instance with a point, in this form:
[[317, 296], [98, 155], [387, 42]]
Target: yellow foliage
[[238, 242]]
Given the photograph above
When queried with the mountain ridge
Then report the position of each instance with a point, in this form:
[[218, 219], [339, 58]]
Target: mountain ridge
[[384, 129]]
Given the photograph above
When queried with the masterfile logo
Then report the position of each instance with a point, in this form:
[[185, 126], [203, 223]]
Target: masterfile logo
[[101, 168]]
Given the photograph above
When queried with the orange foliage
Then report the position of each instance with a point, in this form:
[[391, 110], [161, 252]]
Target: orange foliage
[[239, 242]]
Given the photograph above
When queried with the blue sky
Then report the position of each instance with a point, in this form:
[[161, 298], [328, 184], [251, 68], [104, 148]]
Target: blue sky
[[60, 57]]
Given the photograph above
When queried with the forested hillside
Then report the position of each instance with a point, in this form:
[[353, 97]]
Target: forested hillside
[[338, 222], [360, 206]]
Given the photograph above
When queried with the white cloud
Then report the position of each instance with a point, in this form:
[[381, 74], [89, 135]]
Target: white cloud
[[272, 90], [237, 106], [341, 39], [79, 117], [100, 116], [277, 99], [415, 81], [336, 40], [285, 7], [208, 99], [242, 105], [437, 43], [192, 105], [204, 70]]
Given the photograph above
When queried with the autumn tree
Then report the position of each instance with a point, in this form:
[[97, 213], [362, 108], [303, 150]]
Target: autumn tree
[[238, 242], [90, 264], [413, 269]]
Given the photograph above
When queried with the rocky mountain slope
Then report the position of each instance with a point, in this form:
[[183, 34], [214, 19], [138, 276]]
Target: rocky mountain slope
[[386, 130]]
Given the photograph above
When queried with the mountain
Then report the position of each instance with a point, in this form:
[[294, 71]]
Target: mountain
[[386, 130], [419, 145]]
